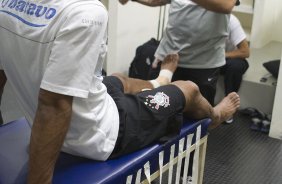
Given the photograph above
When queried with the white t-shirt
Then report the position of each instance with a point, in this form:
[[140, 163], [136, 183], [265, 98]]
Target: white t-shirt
[[236, 34], [59, 46]]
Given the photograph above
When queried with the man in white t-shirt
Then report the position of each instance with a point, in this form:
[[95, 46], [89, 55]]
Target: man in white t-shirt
[[52, 52], [237, 50]]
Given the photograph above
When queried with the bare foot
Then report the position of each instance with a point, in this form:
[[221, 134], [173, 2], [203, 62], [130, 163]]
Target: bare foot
[[168, 67], [170, 62], [225, 109]]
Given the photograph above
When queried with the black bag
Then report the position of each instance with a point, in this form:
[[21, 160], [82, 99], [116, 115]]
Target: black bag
[[272, 67], [141, 66]]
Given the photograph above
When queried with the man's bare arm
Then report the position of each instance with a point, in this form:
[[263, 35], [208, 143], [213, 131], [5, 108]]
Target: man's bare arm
[[242, 51], [49, 129], [148, 2], [220, 6], [123, 1], [3, 80]]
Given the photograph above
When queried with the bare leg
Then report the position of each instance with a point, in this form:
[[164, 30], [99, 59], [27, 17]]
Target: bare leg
[[198, 107], [168, 65], [132, 85]]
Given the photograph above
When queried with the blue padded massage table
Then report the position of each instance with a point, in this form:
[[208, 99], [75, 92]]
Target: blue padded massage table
[[142, 166]]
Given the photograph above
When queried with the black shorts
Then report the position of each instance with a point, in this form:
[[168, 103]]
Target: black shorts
[[206, 79], [146, 117]]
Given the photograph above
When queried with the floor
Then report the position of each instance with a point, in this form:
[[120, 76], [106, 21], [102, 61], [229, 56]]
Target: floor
[[235, 153], [238, 155]]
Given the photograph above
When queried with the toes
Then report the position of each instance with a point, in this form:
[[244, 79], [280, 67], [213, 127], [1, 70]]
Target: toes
[[234, 97]]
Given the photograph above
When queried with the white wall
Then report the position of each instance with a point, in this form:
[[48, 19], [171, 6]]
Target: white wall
[[277, 21], [267, 22], [129, 26], [276, 123]]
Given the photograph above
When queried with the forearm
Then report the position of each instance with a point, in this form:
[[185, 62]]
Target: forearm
[[153, 2], [242, 51], [50, 126], [236, 54], [220, 6]]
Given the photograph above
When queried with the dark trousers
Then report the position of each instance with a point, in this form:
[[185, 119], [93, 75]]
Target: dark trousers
[[233, 72], [206, 79]]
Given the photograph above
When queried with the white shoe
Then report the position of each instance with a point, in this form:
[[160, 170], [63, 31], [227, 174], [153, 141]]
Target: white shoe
[[229, 121]]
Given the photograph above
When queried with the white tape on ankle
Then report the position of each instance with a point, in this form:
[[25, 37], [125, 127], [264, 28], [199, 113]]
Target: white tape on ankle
[[155, 83], [166, 73]]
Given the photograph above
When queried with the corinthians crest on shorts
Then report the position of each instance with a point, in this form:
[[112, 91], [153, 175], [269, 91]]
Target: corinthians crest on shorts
[[160, 99]]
